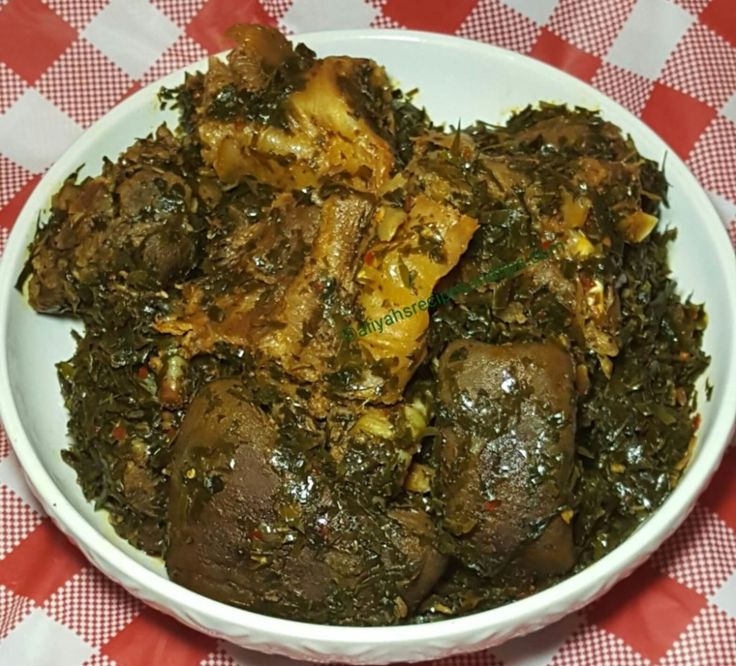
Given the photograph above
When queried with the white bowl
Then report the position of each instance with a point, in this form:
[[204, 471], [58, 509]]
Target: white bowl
[[457, 79]]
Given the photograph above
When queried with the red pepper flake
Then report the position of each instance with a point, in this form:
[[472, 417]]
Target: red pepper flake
[[256, 534], [118, 432], [545, 244], [696, 422], [368, 257], [586, 282], [491, 505], [142, 372]]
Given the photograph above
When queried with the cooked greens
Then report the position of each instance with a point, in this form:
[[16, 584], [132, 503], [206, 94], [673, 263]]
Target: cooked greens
[[473, 451]]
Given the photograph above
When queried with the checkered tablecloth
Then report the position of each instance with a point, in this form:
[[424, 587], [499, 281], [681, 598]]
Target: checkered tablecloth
[[63, 63]]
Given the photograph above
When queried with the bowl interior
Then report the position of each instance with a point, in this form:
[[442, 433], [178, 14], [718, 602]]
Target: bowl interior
[[458, 81]]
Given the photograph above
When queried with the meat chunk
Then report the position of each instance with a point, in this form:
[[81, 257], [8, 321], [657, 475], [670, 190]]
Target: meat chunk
[[223, 490], [418, 541], [293, 121], [260, 51], [414, 247], [300, 330], [383, 564], [136, 219], [506, 454], [287, 314], [252, 526], [396, 285]]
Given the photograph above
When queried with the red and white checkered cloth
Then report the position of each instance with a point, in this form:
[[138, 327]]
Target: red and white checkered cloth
[[63, 63]]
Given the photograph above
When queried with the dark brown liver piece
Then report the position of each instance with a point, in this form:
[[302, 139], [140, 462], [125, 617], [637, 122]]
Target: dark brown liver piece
[[506, 453], [215, 517], [232, 535]]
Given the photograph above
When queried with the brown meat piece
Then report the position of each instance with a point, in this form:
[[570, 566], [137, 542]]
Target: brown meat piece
[[287, 314], [260, 50], [135, 218], [268, 251], [278, 540], [300, 331], [224, 492], [286, 118], [506, 454], [383, 563], [418, 541]]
